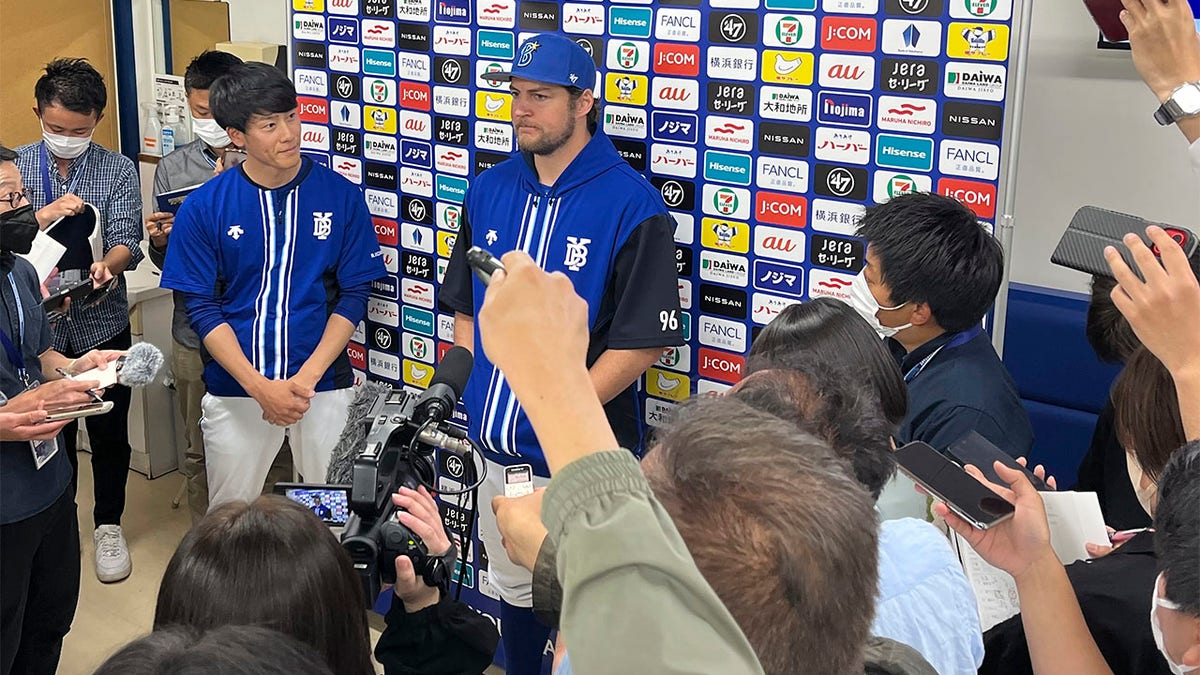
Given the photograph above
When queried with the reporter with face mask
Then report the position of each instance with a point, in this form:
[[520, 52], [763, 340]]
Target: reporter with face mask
[[65, 171], [39, 558], [931, 274]]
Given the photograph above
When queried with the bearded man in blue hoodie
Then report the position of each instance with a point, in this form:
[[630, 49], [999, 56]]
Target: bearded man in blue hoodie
[[572, 203]]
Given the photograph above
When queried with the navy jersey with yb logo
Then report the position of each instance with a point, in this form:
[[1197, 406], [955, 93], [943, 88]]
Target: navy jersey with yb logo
[[276, 260], [604, 226]]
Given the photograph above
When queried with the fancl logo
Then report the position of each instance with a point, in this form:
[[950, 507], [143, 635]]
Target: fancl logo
[[904, 152], [452, 189]]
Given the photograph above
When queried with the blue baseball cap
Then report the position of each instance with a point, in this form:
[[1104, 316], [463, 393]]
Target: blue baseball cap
[[550, 58]]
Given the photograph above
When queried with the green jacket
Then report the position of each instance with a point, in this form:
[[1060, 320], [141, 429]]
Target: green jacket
[[633, 599]]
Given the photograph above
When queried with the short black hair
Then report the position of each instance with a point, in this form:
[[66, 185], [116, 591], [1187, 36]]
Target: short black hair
[[73, 84], [207, 67], [1177, 527], [247, 90], [7, 154], [824, 332], [228, 650], [1108, 331], [932, 249]]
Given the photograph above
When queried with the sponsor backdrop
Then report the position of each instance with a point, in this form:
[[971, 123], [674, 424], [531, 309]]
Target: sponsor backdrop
[[767, 126]]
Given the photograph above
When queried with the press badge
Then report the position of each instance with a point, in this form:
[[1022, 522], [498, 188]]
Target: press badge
[[43, 451], [518, 480]]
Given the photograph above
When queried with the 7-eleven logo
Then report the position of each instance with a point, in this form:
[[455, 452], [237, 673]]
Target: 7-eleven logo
[[418, 348], [900, 185], [725, 201], [787, 31], [627, 55]]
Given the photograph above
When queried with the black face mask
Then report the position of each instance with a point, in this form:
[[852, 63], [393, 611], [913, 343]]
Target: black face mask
[[17, 229]]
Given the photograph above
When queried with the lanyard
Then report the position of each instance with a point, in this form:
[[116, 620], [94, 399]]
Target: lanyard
[[46, 191], [15, 355], [212, 161], [959, 339]]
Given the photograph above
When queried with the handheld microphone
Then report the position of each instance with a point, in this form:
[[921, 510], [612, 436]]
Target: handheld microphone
[[135, 368], [437, 402]]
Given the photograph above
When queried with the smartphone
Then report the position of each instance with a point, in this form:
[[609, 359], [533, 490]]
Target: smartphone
[[98, 293], [1107, 15], [946, 481], [330, 503], [77, 411], [483, 264], [983, 454], [60, 290], [1092, 229]]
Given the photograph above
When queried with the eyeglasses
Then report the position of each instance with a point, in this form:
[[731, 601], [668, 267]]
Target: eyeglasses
[[14, 199]]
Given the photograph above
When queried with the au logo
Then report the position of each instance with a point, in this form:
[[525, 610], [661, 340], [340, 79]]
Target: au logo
[[626, 88], [672, 386], [986, 41], [379, 120], [725, 235], [493, 105], [787, 67]]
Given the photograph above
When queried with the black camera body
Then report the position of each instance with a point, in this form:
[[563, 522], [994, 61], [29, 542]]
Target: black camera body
[[398, 453]]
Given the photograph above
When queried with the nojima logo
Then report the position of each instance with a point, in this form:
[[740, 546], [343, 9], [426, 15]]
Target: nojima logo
[[853, 110]]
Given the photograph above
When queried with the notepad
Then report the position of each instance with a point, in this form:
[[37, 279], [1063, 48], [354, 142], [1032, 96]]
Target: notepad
[[168, 202], [1075, 520]]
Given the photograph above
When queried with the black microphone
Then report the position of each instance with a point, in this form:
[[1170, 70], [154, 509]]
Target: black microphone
[[437, 402]]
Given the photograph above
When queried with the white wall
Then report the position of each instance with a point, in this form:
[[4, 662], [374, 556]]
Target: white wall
[[1088, 138], [258, 21]]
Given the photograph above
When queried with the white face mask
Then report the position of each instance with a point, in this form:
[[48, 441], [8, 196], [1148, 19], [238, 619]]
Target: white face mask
[[867, 306], [1147, 495], [1155, 603], [66, 147], [210, 132]]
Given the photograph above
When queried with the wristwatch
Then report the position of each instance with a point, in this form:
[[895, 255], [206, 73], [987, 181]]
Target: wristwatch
[[1184, 102]]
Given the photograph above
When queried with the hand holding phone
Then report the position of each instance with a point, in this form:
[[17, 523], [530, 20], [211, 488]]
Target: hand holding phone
[[77, 411], [947, 482], [1107, 15], [1093, 229]]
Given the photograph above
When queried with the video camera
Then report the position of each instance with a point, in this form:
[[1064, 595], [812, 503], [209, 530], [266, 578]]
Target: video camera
[[402, 432]]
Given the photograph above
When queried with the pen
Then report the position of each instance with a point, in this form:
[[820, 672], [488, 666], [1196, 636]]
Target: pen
[[95, 397], [1125, 535]]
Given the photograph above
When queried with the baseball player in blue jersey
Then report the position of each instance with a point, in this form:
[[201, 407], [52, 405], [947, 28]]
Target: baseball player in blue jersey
[[275, 260], [573, 204]]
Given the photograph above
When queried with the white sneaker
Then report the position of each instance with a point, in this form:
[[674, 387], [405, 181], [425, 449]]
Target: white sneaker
[[112, 554]]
